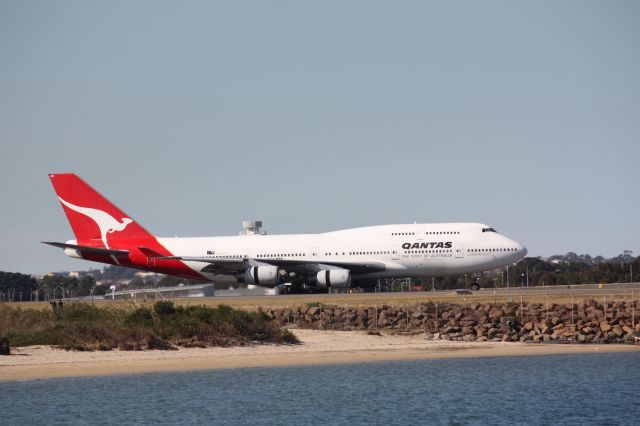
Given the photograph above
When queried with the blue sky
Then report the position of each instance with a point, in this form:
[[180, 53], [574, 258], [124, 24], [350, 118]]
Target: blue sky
[[316, 116]]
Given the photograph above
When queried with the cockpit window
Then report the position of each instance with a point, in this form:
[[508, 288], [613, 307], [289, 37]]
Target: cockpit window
[[488, 230]]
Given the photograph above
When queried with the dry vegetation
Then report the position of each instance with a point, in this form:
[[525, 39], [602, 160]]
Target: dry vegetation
[[83, 326]]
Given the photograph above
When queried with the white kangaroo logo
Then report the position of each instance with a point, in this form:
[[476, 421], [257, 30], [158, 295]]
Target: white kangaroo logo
[[107, 223]]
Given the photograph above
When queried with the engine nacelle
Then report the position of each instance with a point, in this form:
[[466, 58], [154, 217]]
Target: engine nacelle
[[260, 275], [338, 278]]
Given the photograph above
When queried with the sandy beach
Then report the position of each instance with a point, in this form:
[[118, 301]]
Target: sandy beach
[[317, 347]]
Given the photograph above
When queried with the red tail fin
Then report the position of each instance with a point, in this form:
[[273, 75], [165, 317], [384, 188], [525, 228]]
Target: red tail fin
[[93, 217]]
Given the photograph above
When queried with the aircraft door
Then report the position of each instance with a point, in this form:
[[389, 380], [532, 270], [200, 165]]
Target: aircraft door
[[395, 253], [459, 250]]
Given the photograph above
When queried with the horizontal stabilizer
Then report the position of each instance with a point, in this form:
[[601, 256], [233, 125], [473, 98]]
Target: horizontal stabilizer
[[89, 250]]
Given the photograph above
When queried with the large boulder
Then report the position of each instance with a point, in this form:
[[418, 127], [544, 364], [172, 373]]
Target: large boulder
[[496, 314], [418, 315], [605, 326]]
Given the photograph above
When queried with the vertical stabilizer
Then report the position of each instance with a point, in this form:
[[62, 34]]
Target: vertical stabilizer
[[92, 216]]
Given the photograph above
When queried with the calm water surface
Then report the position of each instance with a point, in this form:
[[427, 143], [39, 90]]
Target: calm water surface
[[571, 389]]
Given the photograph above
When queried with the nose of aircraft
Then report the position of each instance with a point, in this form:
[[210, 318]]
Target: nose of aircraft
[[522, 250]]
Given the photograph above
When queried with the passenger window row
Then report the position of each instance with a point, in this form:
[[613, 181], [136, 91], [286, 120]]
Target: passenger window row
[[351, 253], [429, 233], [490, 250], [281, 255], [357, 253]]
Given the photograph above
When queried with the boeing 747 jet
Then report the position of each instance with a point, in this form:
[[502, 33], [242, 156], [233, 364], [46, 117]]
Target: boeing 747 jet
[[338, 259]]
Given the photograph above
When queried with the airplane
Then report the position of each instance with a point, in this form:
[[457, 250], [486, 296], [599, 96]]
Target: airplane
[[355, 257]]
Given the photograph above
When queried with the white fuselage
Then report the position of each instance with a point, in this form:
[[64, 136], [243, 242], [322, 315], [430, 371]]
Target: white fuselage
[[406, 250]]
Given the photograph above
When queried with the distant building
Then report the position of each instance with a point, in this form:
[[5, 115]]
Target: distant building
[[252, 227], [143, 274]]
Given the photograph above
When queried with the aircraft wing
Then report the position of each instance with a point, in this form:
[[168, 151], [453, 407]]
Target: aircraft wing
[[218, 265], [222, 264], [315, 266]]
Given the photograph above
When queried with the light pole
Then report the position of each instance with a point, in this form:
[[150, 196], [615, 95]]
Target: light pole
[[507, 276], [534, 273]]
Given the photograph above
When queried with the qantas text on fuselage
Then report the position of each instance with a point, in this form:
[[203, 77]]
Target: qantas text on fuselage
[[349, 257]]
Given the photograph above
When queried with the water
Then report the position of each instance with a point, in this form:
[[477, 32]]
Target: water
[[571, 389]]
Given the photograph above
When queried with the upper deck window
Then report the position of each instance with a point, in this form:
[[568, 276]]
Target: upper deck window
[[488, 230]]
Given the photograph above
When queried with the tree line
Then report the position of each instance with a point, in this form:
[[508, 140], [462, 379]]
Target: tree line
[[534, 271], [22, 287]]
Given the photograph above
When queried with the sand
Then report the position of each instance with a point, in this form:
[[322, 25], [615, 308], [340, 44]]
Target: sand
[[317, 347]]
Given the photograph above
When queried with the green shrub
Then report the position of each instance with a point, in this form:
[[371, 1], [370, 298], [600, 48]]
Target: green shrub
[[140, 316], [164, 308]]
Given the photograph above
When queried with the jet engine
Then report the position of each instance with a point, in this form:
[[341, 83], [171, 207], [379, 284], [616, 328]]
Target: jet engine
[[338, 278], [260, 275]]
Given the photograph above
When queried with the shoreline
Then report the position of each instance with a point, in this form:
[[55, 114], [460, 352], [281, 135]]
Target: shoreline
[[317, 348]]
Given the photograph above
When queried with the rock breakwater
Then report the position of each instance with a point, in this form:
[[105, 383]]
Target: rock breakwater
[[586, 322]]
